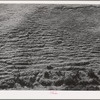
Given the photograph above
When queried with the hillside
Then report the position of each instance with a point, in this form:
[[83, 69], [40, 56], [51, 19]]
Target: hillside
[[50, 47]]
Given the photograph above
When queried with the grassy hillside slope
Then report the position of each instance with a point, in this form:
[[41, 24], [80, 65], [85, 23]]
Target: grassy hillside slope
[[53, 47]]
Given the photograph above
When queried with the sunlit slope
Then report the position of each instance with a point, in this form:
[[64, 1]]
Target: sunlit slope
[[55, 36]]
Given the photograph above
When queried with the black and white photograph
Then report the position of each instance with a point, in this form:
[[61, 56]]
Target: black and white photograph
[[50, 47]]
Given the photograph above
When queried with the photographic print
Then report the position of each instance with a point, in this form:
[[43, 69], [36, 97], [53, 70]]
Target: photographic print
[[49, 47]]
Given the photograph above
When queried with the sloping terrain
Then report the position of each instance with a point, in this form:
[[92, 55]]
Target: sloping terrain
[[50, 47]]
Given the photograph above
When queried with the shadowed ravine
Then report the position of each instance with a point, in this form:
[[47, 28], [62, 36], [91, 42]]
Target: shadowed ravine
[[53, 47]]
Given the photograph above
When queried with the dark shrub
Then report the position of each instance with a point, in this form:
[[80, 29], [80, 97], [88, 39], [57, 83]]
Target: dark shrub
[[59, 82], [83, 82], [46, 74], [45, 82], [25, 82], [49, 67], [7, 84], [32, 79], [21, 81], [89, 82], [59, 73], [10, 83], [17, 86], [73, 78], [4, 85], [76, 75], [70, 81], [91, 74], [99, 73]]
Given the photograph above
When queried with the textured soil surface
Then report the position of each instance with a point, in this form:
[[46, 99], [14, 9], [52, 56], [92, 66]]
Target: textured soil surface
[[49, 47]]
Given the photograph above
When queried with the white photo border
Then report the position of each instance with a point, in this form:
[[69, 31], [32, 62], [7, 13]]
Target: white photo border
[[31, 94]]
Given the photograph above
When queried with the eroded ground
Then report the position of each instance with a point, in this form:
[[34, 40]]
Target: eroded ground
[[50, 47]]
